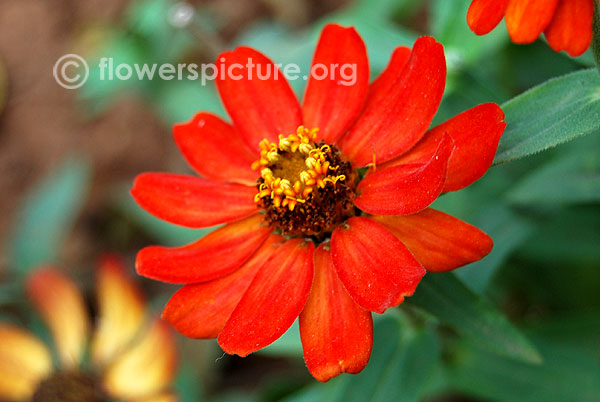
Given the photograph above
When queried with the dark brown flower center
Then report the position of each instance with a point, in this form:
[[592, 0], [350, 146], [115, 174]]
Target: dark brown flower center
[[305, 189], [69, 387]]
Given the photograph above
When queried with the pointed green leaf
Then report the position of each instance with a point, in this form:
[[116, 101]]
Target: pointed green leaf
[[567, 374], [571, 177], [508, 230], [48, 214], [452, 303], [550, 114]]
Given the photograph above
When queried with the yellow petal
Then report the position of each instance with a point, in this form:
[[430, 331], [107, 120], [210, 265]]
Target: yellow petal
[[121, 310], [145, 369], [24, 361], [62, 307]]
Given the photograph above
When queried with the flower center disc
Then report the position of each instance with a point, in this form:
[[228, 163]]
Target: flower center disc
[[69, 387], [305, 188]]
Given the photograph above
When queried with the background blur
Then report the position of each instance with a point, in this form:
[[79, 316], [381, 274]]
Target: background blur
[[68, 157]]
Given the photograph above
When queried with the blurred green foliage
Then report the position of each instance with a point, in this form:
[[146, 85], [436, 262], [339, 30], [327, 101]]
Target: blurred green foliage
[[48, 214]]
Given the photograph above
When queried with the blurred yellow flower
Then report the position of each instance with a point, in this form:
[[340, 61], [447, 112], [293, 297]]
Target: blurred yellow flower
[[129, 357]]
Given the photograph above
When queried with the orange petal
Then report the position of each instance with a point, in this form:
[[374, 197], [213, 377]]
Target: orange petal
[[476, 133], [439, 241], [121, 308], [191, 201], [484, 15], [215, 150], [333, 104], [376, 269], [24, 361], [337, 334], [62, 307], [274, 299], [386, 79], [407, 188], [145, 369], [527, 19], [398, 112], [571, 27], [201, 310], [257, 96], [213, 256]]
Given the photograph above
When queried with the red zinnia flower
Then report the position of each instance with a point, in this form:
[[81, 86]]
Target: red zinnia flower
[[567, 24], [374, 236]]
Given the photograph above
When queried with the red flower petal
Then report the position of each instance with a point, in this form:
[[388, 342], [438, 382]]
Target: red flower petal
[[192, 201], [215, 150], [527, 19], [201, 310], [337, 334], [439, 241], [274, 299], [476, 134], [398, 113], [405, 189], [393, 70], [256, 96], [213, 256], [331, 104], [484, 15], [375, 267], [571, 27]]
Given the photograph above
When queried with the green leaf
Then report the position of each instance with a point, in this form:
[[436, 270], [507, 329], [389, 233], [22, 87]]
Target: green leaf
[[401, 365], [571, 177], [568, 374], [48, 214], [569, 236], [410, 370], [452, 303], [555, 112], [574, 329], [508, 230], [187, 386], [103, 86]]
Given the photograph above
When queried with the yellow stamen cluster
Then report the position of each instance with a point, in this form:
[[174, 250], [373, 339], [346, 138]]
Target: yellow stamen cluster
[[293, 184]]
